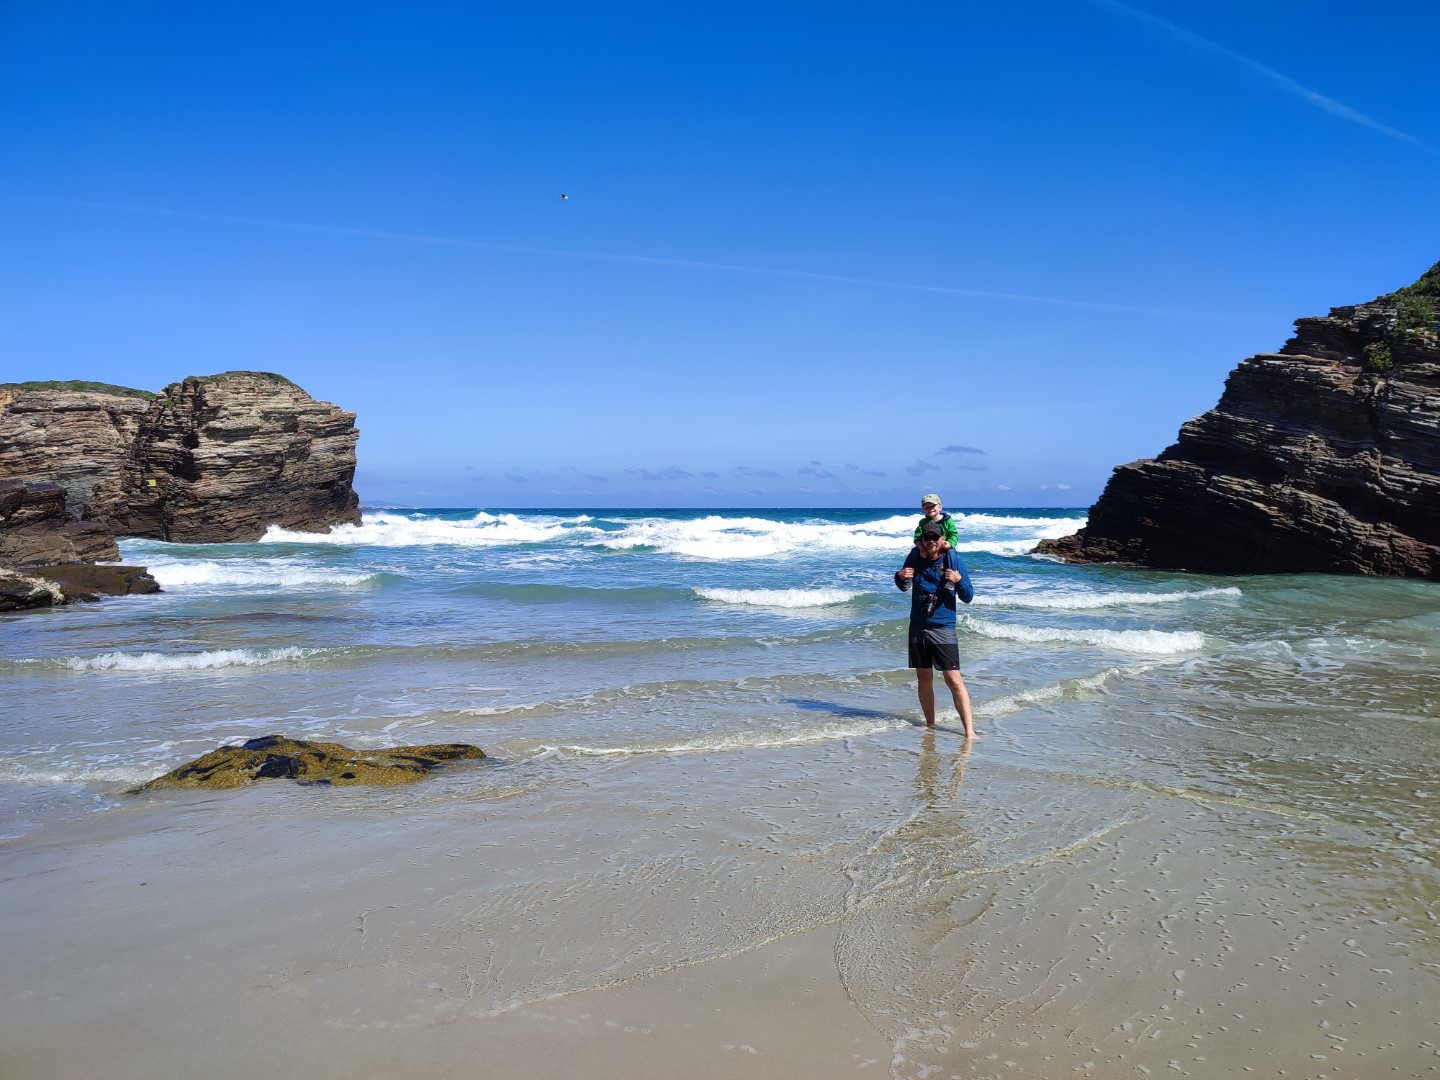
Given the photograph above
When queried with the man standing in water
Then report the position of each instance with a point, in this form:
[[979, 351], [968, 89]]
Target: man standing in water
[[937, 576]]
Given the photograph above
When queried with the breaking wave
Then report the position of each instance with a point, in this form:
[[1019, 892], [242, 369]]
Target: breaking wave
[[202, 661], [252, 574], [720, 743], [423, 530], [1084, 601], [781, 598], [1153, 642]]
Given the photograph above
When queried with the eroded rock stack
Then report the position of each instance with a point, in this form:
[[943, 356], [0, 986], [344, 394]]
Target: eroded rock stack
[[219, 459], [1324, 457], [213, 459]]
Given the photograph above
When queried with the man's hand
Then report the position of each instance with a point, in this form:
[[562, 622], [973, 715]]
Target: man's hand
[[952, 576], [907, 573]]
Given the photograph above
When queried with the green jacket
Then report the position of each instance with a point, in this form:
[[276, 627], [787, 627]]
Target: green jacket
[[946, 522]]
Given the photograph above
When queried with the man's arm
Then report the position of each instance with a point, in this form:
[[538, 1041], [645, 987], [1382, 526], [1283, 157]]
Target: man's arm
[[956, 574], [905, 576]]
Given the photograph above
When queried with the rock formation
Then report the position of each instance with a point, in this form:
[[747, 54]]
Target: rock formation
[[21, 592], [73, 434], [1324, 457], [274, 757], [47, 558], [36, 528], [214, 459]]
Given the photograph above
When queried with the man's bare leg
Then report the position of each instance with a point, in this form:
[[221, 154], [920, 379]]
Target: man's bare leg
[[961, 697], [925, 689]]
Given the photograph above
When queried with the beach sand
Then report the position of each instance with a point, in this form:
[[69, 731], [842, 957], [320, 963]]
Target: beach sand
[[1201, 937]]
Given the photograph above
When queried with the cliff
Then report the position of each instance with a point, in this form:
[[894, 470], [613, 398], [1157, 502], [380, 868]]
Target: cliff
[[1323, 457], [48, 559], [211, 459]]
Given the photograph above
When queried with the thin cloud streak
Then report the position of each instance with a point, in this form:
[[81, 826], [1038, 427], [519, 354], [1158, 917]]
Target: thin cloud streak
[[1289, 85], [645, 260]]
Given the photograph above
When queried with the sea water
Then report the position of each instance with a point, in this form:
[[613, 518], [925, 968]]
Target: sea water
[[702, 737]]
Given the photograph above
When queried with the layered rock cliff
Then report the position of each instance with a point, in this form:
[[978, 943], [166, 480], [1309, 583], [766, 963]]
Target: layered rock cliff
[[47, 558], [211, 459], [1324, 457]]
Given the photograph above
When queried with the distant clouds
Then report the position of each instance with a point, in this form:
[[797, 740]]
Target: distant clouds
[[876, 481], [668, 473], [1284, 82], [922, 467]]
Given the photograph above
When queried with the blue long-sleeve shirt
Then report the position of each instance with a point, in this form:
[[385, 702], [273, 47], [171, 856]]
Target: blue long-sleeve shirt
[[929, 579]]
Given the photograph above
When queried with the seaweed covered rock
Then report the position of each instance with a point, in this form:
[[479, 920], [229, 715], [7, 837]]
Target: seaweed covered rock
[[274, 757], [1321, 458]]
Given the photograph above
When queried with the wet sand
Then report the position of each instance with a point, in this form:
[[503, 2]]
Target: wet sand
[[1201, 937]]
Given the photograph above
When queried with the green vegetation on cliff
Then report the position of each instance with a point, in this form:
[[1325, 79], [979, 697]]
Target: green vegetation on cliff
[[81, 386], [1415, 307]]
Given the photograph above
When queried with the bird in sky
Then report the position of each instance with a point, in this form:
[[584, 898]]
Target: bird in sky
[[563, 195]]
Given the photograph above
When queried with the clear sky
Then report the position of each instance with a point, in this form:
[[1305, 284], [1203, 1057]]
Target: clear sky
[[813, 254]]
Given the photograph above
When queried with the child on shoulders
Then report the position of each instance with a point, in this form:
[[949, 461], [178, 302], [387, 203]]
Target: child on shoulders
[[934, 512]]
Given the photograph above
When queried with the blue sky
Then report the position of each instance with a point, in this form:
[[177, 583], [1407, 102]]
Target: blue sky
[[813, 254]]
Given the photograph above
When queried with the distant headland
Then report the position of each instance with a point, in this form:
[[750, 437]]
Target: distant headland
[[1324, 458]]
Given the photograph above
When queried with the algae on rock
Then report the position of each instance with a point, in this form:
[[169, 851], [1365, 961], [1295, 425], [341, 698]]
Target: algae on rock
[[274, 757]]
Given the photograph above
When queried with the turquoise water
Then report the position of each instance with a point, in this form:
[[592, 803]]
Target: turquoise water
[[691, 707], [609, 632]]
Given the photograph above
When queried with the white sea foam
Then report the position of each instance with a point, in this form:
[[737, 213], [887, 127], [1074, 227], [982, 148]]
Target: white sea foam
[[781, 598], [718, 743], [202, 661], [1154, 642], [1012, 703], [1084, 601], [1062, 526], [997, 547], [710, 537], [67, 773], [724, 538], [418, 530], [251, 574]]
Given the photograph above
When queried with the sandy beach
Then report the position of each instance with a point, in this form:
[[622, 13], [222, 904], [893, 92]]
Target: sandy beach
[[1197, 834], [1202, 936]]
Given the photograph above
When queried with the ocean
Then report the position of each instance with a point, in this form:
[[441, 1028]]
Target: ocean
[[1192, 799]]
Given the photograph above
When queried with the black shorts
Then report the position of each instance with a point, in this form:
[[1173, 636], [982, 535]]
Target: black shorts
[[926, 652]]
